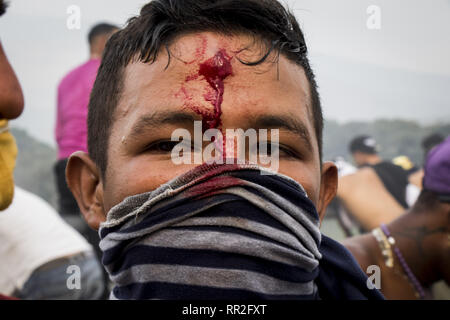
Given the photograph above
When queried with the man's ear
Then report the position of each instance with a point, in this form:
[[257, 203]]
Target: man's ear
[[83, 179], [328, 187]]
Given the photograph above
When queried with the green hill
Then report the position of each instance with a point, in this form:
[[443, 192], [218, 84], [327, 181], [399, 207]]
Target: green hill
[[34, 166]]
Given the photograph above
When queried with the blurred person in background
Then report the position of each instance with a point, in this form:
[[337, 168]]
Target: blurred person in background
[[11, 106], [428, 143], [42, 257], [364, 150], [37, 246], [72, 108], [378, 192], [413, 251], [71, 126]]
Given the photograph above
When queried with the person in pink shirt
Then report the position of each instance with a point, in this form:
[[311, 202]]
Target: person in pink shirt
[[73, 95], [73, 99], [71, 127]]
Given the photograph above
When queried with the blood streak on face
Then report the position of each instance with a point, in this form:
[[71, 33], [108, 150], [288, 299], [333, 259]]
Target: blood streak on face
[[214, 71]]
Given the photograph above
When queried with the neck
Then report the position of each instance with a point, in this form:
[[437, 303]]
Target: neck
[[421, 237], [95, 55]]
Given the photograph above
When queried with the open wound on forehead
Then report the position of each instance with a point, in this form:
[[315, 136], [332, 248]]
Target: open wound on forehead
[[214, 70]]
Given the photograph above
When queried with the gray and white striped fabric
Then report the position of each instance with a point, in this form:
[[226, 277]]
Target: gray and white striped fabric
[[216, 232]]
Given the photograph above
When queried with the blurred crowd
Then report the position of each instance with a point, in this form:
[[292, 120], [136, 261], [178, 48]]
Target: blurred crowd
[[394, 214]]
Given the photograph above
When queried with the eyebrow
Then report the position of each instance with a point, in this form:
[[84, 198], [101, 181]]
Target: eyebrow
[[283, 122], [156, 119], [184, 118]]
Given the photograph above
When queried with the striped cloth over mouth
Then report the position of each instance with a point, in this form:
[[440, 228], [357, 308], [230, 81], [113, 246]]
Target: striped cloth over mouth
[[216, 232]]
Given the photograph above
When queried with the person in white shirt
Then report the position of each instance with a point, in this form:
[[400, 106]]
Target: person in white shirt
[[42, 257]]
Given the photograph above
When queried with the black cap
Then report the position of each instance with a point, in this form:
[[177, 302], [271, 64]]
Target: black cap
[[364, 144]]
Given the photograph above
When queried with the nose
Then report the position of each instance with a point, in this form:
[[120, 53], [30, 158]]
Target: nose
[[11, 97]]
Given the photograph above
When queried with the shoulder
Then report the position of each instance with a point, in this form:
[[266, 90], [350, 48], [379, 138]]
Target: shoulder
[[363, 177]]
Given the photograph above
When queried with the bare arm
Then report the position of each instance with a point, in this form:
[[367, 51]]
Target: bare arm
[[366, 198], [416, 178]]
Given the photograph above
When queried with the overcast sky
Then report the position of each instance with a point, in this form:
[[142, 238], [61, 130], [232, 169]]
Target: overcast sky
[[401, 70]]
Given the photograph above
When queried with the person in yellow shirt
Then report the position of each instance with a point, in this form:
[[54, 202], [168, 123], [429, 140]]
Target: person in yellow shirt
[[11, 106]]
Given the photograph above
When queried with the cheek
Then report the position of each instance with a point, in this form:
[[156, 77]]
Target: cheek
[[307, 175], [139, 176]]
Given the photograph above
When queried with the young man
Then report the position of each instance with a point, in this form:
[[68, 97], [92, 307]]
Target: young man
[[413, 251], [378, 192], [215, 231], [364, 151]]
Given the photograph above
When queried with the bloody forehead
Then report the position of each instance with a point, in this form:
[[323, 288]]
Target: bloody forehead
[[214, 70]]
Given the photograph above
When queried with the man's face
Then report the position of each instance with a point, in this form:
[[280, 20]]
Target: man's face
[[360, 158], [155, 101]]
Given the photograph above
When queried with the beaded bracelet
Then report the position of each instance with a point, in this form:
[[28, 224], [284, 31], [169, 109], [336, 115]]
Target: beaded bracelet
[[385, 247], [412, 278]]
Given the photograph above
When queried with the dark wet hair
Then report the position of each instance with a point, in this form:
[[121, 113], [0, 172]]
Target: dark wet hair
[[160, 21], [100, 29]]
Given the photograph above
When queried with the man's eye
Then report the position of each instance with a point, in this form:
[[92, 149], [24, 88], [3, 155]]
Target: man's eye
[[161, 146], [282, 150], [288, 152], [165, 146]]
